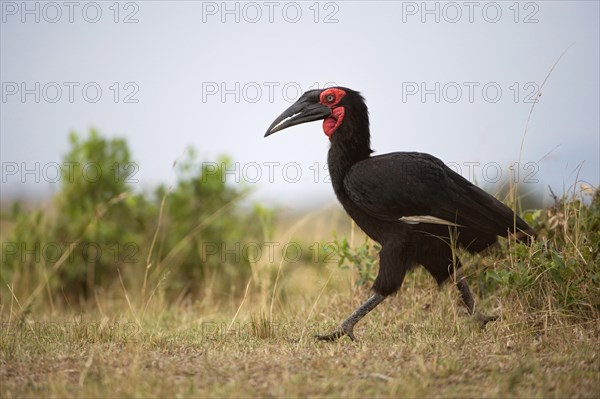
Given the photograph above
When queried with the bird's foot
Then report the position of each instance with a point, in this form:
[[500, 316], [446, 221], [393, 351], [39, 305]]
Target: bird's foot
[[338, 333], [483, 319], [347, 326]]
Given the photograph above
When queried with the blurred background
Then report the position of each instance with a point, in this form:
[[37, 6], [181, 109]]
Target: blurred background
[[132, 132], [454, 80]]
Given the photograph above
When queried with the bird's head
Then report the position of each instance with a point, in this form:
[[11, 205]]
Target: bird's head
[[334, 105]]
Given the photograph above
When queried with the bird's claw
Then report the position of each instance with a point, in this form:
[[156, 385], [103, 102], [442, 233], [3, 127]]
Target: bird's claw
[[483, 319], [337, 334]]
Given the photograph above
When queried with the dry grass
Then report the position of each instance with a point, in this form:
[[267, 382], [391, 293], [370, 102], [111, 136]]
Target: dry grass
[[419, 343], [259, 341]]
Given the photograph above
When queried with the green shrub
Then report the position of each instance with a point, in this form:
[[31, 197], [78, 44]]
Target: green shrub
[[205, 229], [561, 270], [99, 231], [363, 258]]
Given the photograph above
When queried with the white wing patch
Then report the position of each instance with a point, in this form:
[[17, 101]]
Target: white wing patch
[[427, 219]]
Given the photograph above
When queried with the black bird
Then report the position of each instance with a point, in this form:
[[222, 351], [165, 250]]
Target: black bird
[[409, 202]]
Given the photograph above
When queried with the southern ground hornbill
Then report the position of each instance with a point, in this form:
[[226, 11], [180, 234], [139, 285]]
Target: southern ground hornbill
[[416, 207]]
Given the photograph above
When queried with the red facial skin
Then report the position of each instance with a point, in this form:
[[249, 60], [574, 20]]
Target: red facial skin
[[330, 98]]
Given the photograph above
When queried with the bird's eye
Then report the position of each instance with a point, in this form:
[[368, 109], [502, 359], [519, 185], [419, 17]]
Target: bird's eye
[[330, 98]]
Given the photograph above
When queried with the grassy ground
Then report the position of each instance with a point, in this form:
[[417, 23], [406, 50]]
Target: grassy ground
[[418, 343], [259, 342]]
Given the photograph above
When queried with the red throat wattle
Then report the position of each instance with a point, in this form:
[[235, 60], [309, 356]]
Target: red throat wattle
[[333, 121]]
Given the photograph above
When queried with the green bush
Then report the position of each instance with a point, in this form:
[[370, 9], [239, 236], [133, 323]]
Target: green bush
[[96, 205], [363, 258], [99, 230], [204, 227], [561, 270]]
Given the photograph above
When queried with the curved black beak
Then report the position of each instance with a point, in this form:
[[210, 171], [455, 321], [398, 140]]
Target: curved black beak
[[303, 110]]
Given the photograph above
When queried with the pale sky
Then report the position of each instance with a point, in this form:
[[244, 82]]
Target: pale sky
[[453, 79]]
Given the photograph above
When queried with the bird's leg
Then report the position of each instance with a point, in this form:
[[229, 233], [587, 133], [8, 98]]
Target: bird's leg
[[467, 297], [347, 326]]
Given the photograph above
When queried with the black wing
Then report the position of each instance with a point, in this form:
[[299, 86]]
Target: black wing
[[404, 184]]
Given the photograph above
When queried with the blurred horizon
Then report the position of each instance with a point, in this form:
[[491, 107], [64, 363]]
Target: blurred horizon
[[444, 78]]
